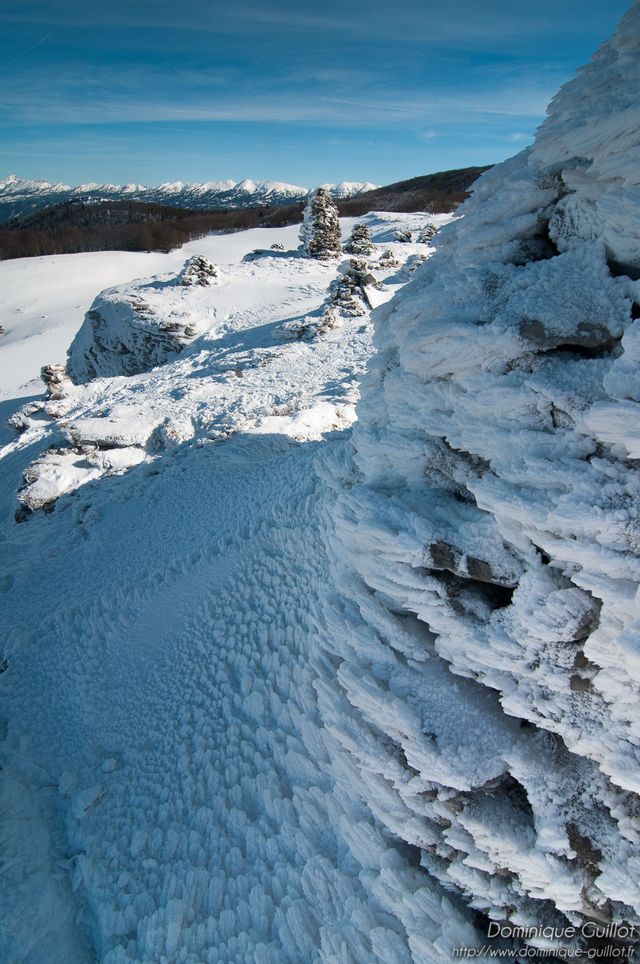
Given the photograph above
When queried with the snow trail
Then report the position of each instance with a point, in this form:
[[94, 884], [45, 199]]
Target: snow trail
[[170, 719]]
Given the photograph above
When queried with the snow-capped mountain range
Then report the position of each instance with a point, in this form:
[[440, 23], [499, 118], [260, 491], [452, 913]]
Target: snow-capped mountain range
[[18, 196]]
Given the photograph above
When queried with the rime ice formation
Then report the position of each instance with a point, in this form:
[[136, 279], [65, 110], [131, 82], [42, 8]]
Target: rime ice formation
[[277, 697], [488, 528]]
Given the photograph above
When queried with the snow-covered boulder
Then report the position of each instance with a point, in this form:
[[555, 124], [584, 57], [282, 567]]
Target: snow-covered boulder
[[129, 330], [488, 531]]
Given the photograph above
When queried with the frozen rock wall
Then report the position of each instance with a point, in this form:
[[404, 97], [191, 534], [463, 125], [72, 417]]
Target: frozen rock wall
[[488, 530]]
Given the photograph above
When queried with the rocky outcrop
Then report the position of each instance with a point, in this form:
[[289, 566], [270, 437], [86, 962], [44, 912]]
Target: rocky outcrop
[[127, 330], [487, 523]]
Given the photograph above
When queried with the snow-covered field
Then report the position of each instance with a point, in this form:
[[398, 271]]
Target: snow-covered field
[[45, 299], [284, 686]]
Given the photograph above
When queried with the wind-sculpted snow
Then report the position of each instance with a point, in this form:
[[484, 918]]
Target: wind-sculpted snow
[[487, 522]]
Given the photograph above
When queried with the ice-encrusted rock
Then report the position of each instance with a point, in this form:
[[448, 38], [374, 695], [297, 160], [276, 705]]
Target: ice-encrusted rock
[[93, 447], [320, 229], [349, 290], [427, 234], [125, 332], [488, 531], [56, 380], [388, 260], [65, 468]]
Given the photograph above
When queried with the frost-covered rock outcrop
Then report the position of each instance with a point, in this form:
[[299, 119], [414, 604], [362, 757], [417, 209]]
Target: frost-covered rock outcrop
[[126, 332], [488, 532]]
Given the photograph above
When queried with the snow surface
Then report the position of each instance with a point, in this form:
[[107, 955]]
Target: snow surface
[[283, 691], [45, 299]]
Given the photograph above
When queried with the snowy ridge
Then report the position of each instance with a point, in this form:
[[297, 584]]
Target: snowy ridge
[[487, 514], [218, 350], [18, 196]]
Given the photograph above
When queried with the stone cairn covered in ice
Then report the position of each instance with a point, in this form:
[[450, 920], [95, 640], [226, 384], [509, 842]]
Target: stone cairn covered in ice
[[427, 234], [320, 229], [359, 242], [198, 270]]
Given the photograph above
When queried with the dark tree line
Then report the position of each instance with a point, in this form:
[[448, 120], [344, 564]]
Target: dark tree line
[[130, 227], [436, 193]]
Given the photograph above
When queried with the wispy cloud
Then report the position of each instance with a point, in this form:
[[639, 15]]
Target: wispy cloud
[[98, 95], [424, 22], [437, 79]]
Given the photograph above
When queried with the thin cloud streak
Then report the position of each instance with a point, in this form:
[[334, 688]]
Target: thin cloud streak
[[23, 53], [408, 88], [416, 21]]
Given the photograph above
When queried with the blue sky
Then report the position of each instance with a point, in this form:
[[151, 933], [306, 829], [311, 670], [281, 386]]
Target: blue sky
[[152, 91]]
